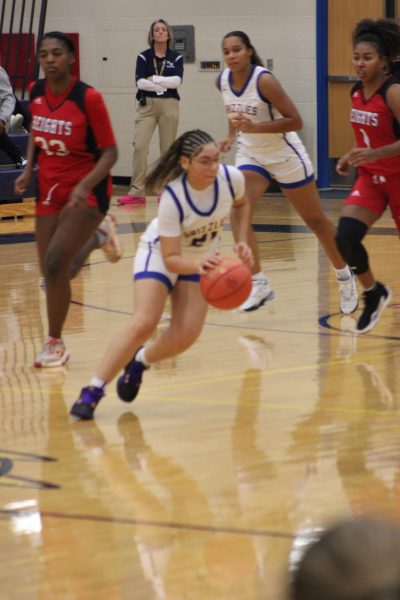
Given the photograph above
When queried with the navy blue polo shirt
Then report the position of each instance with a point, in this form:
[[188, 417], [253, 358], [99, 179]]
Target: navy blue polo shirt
[[148, 64]]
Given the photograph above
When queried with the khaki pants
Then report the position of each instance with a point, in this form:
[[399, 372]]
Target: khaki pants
[[163, 112]]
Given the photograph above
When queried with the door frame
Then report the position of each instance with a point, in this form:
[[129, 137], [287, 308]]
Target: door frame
[[322, 93], [322, 32]]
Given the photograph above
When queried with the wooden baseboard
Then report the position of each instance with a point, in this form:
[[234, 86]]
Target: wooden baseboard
[[26, 208]]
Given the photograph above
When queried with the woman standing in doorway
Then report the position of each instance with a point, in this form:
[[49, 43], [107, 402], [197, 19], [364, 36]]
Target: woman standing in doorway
[[264, 119], [72, 140], [159, 73], [375, 118]]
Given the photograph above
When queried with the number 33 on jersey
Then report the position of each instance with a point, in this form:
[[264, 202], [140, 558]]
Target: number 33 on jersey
[[68, 130]]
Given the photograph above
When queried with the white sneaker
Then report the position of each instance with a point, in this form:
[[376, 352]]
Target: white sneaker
[[348, 295], [21, 164], [15, 123], [260, 294], [112, 247], [53, 354]]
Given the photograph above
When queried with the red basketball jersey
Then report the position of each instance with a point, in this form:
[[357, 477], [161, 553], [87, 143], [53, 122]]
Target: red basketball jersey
[[374, 126], [68, 131]]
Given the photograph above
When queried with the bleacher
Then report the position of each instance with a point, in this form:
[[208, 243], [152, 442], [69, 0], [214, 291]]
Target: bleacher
[[21, 25], [12, 205]]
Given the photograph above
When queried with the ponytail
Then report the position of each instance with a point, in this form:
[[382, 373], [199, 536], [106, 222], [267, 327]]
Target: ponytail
[[169, 167], [255, 59]]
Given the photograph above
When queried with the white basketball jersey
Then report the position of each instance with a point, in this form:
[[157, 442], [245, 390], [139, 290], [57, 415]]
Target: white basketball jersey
[[197, 216], [255, 107]]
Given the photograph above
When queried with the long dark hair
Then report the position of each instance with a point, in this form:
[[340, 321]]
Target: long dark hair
[[168, 167], [384, 34], [255, 59]]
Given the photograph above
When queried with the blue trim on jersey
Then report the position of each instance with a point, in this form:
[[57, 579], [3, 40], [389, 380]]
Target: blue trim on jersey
[[271, 114], [263, 98], [177, 203], [219, 81], [297, 184], [297, 153], [149, 255], [192, 206], [228, 179], [193, 277], [257, 169], [154, 275], [240, 92]]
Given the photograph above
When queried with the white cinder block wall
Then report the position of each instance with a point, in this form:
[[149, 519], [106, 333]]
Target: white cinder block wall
[[283, 30]]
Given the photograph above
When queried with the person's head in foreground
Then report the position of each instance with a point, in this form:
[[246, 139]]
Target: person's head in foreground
[[355, 559]]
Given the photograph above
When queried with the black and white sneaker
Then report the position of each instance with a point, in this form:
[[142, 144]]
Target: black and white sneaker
[[375, 301], [128, 384], [84, 407], [260, 294], [21, 164]]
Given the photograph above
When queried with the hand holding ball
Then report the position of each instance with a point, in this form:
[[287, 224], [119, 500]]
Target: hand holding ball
[[233, 117], [228, 285]]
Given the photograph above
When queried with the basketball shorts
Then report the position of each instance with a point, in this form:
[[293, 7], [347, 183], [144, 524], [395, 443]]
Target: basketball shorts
[[292, 167], [375, 193], [53, 197], [148, 264]]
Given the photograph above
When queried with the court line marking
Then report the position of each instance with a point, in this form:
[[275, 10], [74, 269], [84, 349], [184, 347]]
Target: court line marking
[[151, 393], [139, 227], [383, 413], [333, 331], [150, 523], [324, 322]]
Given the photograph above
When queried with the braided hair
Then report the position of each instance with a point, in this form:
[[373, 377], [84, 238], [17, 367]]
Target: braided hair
[[384, 34], [169, 167], [244, 38]]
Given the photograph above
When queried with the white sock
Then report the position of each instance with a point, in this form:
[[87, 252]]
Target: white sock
[[343, 274], [370, 288], [259, 277], [96, 382], [140, 357], [101, 237]]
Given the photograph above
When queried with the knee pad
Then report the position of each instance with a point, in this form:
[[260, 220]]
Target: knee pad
[[350, 233]]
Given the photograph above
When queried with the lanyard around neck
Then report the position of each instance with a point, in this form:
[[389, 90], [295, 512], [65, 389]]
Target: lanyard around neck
[[159, 71]]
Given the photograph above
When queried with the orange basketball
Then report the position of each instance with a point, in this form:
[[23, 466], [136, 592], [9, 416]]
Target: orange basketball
[[228, 285]]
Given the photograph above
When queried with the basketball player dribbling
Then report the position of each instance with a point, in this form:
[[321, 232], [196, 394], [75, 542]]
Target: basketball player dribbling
[[179, 245], [72, 139], [264, 120]]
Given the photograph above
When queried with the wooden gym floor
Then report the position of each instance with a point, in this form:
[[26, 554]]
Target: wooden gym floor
[[233, 454]]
